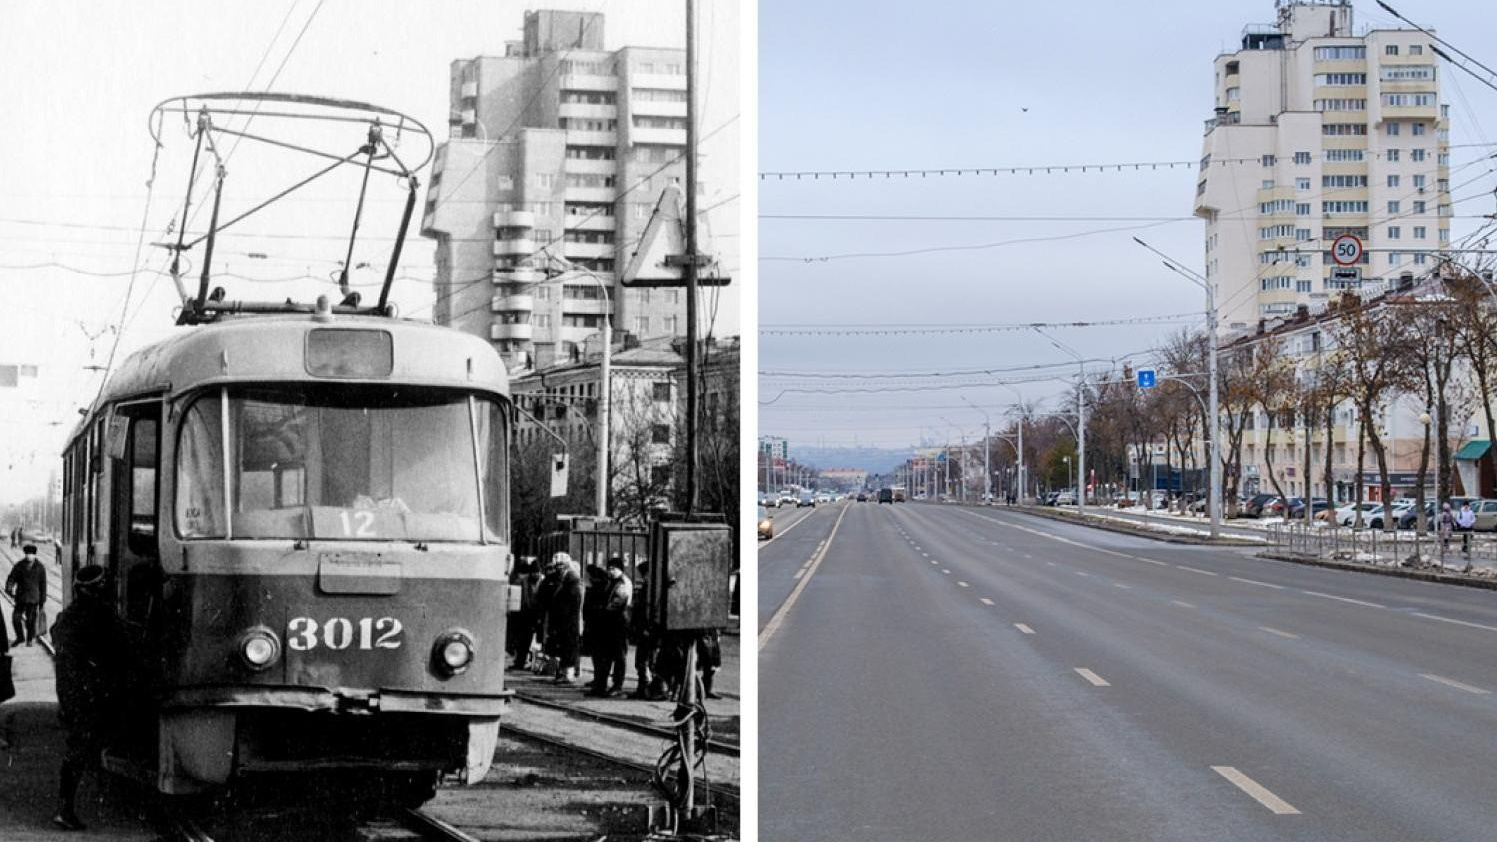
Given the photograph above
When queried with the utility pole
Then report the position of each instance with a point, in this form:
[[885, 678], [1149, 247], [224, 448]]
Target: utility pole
[[691, 263]]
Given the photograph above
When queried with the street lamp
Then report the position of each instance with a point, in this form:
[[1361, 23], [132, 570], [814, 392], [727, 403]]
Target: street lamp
[[987, 449], [1020, 425], [1214, 499], [1069, 478], [604, 380], [1080, 421]]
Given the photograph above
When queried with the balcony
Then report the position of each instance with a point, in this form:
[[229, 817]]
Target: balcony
[[581, 137], [1410, 112], [591, 223], [514, 219], [469, 90], [651, 108], [511, 247], [591, 165], [584, 306], [513, 303], [659, 137], [511, 331], [586, 250], [586, 82], [518, 276], [591, 194], [587, 111], [1224, 118], [657, 81]]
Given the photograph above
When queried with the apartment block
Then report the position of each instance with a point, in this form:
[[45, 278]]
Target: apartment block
[[1321, 130], [559, 149]]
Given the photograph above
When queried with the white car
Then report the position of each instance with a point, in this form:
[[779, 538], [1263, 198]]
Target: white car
[[1346, 515]]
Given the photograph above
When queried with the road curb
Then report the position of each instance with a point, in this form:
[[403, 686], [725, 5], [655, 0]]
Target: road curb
[[1395, 572], [1125, 529]]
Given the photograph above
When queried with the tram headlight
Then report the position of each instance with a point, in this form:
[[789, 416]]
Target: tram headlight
[[259, 648], [453, 652]]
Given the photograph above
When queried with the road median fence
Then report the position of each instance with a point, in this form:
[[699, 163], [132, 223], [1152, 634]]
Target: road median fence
[[1377, 548]]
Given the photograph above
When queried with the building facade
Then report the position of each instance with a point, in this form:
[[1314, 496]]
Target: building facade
[[559, 149], [1321, 130]]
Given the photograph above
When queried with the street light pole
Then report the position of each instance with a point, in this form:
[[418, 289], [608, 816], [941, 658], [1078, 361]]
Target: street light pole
[[987, 451], [1022, 476], [604, 383], [1080, 421], [1214, 495]]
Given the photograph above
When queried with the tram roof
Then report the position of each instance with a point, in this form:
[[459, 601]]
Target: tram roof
[[274, 349]]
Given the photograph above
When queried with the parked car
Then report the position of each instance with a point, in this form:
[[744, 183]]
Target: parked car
[[1317, 504], [1410, 517], [1254, 505], [1347, 515], [766, 524], [1279, 507], [1374, 518], [1065, 498]]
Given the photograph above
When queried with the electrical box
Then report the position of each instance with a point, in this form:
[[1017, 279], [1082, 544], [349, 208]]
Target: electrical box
[[691, 569]]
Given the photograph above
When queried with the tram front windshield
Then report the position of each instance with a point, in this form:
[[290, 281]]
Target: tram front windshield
[[343, 463]]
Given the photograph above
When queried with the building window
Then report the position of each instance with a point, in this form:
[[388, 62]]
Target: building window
[[660, 434], [1444, 235], [1416, 155], [662, 392], [1419, 182], [1343, 181], [506, 182], [1339, 156], [1269, 160], [1302, 209], [1394, 258], [1302, 184], [642, 325], [660, 475], [1393, 207], [1391, 156], [1390, 50], [1323, 79], [1302, 157], [1420, 232], [1392, 130], [1302, 234], [1416, 50], [1419, 207], [1392, 181], [1340, 53], [1302, 286], [1418, 129], [1420, 258], [669, 326], [542, 321], [1393, 232]]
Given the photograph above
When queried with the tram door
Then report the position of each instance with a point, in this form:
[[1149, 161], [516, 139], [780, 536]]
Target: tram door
[[135, 446]]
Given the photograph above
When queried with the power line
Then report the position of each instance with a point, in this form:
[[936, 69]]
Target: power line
[[1045, 169], [900, 330]]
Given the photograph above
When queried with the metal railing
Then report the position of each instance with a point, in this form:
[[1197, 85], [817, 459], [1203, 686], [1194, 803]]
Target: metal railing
[[1376, 547]]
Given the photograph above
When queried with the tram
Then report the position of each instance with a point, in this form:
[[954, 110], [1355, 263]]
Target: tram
[[302, 512], [304, 524]]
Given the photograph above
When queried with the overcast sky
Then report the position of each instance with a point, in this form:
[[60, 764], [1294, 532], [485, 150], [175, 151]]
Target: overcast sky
[[899, 85], [79, 80]]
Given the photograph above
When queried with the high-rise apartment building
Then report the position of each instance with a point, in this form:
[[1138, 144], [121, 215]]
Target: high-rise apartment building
[[559, 147], [1319, 131]]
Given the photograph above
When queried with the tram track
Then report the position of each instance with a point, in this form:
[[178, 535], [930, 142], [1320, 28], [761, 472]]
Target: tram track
[[724, 790], [619, 721], [399, 825]]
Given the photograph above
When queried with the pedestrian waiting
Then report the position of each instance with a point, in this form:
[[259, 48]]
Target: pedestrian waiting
[[27, 585]]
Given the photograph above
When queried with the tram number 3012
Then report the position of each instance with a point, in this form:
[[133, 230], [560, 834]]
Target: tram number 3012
[[304, 634]]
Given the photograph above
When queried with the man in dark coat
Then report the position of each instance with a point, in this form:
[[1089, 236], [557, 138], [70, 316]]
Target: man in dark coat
[[27, 585], [646, 643], [89, 666], [524, 623], [611, 642], [562, 591]]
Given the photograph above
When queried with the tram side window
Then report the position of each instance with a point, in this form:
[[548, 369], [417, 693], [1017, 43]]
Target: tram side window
[[143, 487], [200, 504], [493, 453]]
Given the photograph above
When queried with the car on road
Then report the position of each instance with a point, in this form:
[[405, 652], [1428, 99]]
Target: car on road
[[769, 501], [862, 497], [766, 524], [1065, 498], [806, 500], [1374, 518], [886, 495]]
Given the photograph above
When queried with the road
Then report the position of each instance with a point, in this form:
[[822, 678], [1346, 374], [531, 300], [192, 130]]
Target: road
[[947, 672]]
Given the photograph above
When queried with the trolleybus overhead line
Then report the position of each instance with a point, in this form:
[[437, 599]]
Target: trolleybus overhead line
[[374, 154]]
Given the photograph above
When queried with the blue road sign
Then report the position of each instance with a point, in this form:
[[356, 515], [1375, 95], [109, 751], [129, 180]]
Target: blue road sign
[[1146, 378]]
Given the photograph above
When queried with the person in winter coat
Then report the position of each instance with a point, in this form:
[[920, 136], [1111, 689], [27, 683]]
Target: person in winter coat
[[524, 624], [1445, 527], [562, 590], [611, 639], [89, 665], [27, 585]]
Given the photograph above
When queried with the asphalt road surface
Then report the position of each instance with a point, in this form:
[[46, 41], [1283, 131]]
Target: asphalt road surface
[[942, 672]]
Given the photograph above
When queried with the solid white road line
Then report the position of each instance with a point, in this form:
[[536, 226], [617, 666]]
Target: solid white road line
[[1096, 680], [779, 615], [986, 601], [1344, 599], [1256, 582], [1279, 633], [1023, 628], [1182, 604], [1456, 684], [1258, 792], [1195, 570], [1457, 622]]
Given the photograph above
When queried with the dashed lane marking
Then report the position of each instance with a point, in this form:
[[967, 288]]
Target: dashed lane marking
[[963, 585], [1279, 633], [946, 571], [933, 561], [1196, 570], [1256, 582], [1121, 585], [1450, 682], [1181, 604], [986, 601], [1344, 599], [1257, 791], [1457, 622], [1027, 555], [1023, 628], [1096, 680], [1082, 573], [779, 615]]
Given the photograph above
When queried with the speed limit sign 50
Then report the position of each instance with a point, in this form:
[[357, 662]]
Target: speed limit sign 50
[[1346, 250]]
